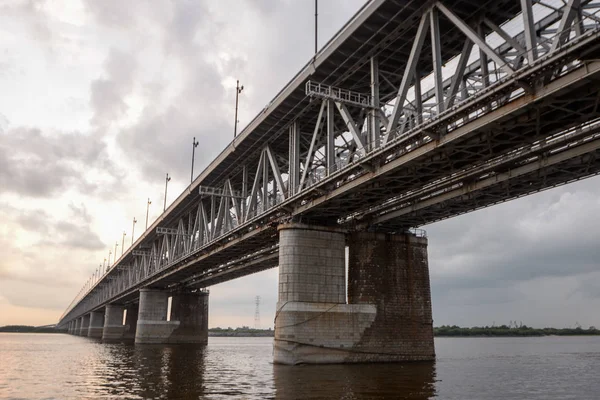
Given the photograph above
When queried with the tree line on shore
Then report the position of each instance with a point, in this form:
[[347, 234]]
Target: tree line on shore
[[504, 330], [443, 331]]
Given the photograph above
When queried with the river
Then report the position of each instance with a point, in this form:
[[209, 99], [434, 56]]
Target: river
[[57, 366]]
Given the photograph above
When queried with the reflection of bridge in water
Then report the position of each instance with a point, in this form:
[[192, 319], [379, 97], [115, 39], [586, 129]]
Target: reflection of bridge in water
[[414, 112]]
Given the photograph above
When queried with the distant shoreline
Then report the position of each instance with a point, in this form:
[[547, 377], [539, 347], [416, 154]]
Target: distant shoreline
[[442, 331]]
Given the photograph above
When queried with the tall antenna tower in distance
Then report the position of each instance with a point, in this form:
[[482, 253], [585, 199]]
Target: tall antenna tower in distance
[[257, 313]]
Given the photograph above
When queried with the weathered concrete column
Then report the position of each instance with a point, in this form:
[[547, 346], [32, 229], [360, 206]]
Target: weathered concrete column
[[392, 272], [85, 324], [188, 322], [152, 324], [191, 311], [77, 329], [313, 324], [96, 324], [131, 321], [113, 328]]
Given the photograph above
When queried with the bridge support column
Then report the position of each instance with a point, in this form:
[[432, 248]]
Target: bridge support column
[[113, 328], [191, 311], [392, 272], [189, 317], [77, 329], [388, 318], [313, 323], [131, 320], [85, 324], [96, 324]]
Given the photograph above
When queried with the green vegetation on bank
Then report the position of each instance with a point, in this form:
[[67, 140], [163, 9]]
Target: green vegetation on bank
[[243, 331], [30, 329], [504, 330], [443, 331]]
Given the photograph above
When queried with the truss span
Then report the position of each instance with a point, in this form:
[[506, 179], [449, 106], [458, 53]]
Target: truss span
[[414, 112]]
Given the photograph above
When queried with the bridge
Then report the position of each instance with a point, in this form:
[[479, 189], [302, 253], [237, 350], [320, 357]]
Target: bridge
[[415, 111]]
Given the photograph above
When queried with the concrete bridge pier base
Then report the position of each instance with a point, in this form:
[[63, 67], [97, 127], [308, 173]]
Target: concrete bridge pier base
[[113, 328], [77, 328], [85, 324], [96, 324], [388, 317], [131, 320], [391, 271], [189, 317]]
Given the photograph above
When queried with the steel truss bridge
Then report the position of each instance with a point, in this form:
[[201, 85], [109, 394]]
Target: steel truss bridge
[[416, 111]]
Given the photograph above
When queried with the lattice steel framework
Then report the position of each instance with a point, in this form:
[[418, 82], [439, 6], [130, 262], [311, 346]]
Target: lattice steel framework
[[414, 112]]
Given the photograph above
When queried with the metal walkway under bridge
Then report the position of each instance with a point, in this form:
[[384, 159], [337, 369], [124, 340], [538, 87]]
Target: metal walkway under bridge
[[415, 111]]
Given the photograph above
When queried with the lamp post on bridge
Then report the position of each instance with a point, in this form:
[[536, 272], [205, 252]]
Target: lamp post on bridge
[[238, 90], [123, 243], [194, 145], [167, 179], [116, 246], [109, 253], [133, 230], [147, 211], [104, 263]]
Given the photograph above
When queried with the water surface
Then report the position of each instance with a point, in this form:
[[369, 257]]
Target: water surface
[[55, 366]]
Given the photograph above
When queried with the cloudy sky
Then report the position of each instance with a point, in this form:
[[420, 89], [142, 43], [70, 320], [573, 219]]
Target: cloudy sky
[[99, 99]]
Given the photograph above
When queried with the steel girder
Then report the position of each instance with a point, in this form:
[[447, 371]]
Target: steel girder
[[394, 125]]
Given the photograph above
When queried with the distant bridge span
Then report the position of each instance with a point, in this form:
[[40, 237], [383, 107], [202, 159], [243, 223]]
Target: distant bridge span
[[416, 111]]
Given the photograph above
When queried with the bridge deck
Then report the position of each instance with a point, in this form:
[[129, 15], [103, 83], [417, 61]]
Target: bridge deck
[[507, 135]]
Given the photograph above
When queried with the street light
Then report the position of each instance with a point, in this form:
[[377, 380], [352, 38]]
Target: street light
[[133, 230], [147, 210], [123, 243], [194, 145], [167, 179], [116, 245], [109, 253], [238, 90]]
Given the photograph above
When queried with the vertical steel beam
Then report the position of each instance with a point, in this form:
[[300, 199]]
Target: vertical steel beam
[[375, 121], [212, 217], [244, 193], [265, 181], [409, 72], [330, 143], [294, 159], [418, 97], [530, 37], [436, 49], [483, 61]]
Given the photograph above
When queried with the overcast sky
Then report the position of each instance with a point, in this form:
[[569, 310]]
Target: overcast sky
[[99, 99]]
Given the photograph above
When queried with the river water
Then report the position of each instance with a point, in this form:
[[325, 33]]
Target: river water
[[56, 366]]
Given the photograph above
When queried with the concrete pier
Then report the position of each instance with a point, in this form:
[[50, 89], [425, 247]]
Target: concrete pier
[[77, 328], [113, 328], [96, 324], [392, 272], [191, 311], [131, 321], [188, 322], [85, 324], [389, 311]]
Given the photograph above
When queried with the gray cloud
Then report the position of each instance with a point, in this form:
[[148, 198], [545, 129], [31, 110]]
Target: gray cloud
[[36, 164], [108, 93]]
